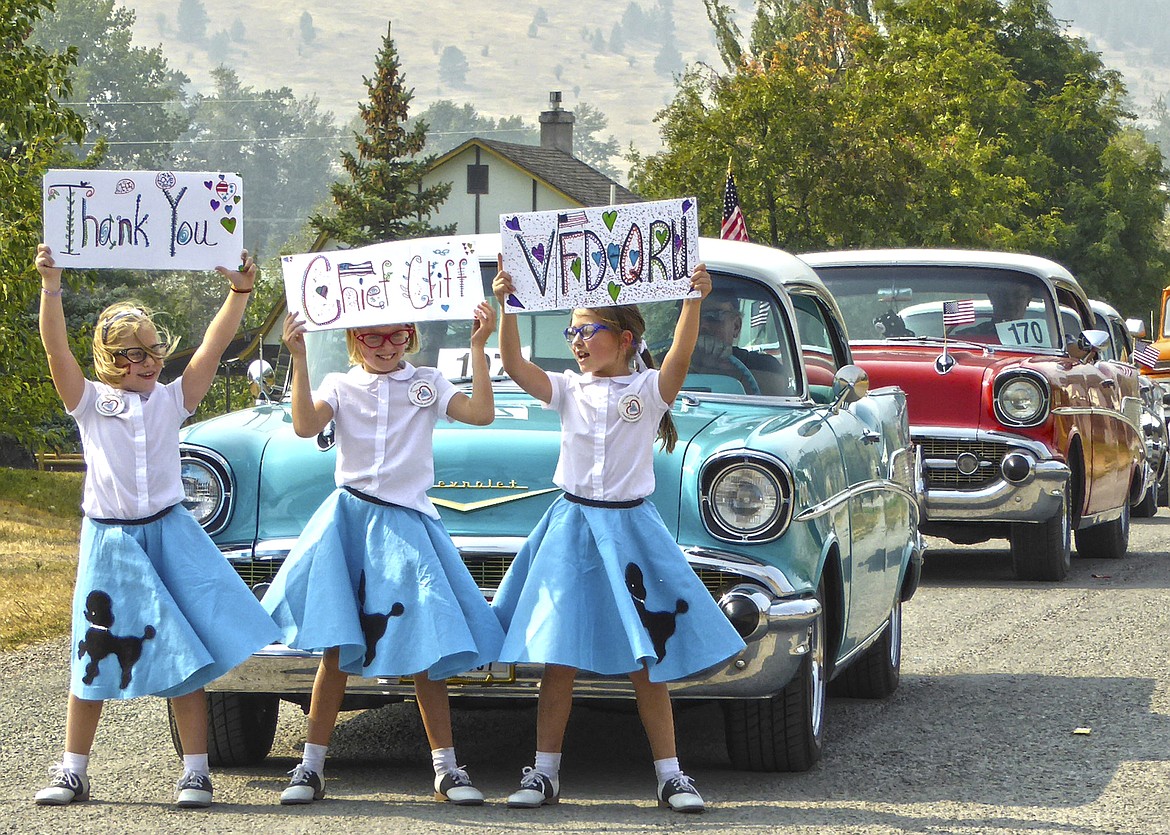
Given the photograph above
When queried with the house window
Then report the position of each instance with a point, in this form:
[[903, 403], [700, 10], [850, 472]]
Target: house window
[[477, 179]]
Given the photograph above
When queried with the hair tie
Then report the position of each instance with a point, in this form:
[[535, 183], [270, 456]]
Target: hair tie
[[639, 364]]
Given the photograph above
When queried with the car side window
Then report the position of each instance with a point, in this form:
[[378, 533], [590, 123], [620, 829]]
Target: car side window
[[820, 341]]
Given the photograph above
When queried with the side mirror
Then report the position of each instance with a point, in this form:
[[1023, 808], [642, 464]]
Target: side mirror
[[261, 376], [1136, 328], [850, 384]]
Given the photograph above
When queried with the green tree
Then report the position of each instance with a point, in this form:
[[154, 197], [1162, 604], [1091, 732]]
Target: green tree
[[968, 123], [282, 146], [453, 66], [34, 129], [384, 200], [308, 30], [588, 146], [192, 21], [128, 94], [449, 125]]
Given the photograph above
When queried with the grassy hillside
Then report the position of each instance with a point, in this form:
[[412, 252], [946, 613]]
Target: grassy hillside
[[40, 518], [509, 72]]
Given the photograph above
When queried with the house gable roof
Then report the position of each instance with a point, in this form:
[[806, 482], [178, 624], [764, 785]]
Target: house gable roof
[[555, 169]]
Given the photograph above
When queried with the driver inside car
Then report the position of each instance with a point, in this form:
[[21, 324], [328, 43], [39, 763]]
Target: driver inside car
[[716, 351]]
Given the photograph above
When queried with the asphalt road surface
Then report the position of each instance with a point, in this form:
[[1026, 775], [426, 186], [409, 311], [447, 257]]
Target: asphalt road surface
[[1024, 708]]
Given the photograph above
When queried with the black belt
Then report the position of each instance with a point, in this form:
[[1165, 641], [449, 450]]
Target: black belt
[[596, 503], [144, 521], [366, 497]]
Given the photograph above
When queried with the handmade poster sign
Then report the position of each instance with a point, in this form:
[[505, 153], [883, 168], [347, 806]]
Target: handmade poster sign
[[599, 257], [148, 220], [383, 284]]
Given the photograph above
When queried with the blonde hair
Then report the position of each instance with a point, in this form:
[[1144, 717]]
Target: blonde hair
[[627, 317], [353, 347], [117, 324]]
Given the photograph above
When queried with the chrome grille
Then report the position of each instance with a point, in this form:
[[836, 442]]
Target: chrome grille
[[487, 572], [989, 453]]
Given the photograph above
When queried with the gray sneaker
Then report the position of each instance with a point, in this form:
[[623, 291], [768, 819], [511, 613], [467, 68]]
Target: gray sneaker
[[64, 787], [193, 791], [304, 787]]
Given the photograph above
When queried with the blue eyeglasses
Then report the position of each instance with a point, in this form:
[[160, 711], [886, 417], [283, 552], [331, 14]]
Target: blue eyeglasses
[[586, 332]]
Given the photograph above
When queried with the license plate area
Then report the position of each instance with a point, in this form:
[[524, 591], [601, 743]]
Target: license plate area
[[496, 672]]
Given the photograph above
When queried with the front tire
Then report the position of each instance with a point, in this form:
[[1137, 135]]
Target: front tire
[[878, 672], [1043, 551], [786, 731], [240, 728], [1147, 507], [1109, 541]]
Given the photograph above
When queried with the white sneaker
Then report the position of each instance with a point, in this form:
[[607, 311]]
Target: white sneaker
[[680, 795], [64, 788], [536, 789], [455, 786]]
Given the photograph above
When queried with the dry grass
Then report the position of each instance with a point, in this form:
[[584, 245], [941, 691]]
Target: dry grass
[[39, 525]]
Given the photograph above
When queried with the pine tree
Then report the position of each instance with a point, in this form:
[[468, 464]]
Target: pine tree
[[384, 200]]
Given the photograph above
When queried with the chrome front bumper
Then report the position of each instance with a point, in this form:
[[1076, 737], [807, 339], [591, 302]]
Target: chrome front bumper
[[770, 660]]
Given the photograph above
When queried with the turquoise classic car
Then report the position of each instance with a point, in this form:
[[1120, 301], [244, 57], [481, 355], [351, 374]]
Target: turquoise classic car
[[793, 492]]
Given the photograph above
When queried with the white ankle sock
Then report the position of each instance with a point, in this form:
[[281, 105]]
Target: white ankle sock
[[77, 763], [314, 758], [196, 763], [666, 768], [547, 763], [443, 759]]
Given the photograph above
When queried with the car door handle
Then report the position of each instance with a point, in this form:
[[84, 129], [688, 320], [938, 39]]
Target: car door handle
[[868, 436]]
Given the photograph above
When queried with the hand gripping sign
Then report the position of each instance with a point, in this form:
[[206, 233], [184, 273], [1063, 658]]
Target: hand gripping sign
[[600, 257], [383, 284], [148, 220]]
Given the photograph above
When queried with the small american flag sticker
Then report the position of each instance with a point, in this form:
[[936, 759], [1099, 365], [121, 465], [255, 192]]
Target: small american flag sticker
[[957, 313], [1146, 354]]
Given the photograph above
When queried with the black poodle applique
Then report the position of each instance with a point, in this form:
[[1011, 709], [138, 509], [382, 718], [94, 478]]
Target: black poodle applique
[[660, 625], [373, 623], [100, 642]]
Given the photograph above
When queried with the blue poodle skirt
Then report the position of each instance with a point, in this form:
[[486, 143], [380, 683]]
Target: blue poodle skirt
[[386, 585], [608, 590], [158, 611]]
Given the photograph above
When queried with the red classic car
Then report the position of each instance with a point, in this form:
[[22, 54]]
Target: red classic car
[[1024, 434]]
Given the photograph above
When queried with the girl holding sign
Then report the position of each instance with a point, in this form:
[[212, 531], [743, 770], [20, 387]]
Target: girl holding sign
[[601, 584], [374, 579], [157, 610]]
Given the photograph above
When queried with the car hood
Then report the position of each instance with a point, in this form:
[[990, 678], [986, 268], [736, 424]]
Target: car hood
[[490, 481], [960, 397]]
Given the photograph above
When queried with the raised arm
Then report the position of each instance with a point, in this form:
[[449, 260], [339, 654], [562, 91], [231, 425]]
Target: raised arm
[[204, 362], [480, 408], [63, 367], [677, 361], [526, 374], [309, 416]]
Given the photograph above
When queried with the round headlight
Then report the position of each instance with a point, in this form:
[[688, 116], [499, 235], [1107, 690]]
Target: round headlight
[[1022, 401], [205, 492], [747, 499]]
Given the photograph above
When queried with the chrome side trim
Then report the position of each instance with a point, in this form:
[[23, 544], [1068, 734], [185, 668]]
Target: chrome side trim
[[871, 486]]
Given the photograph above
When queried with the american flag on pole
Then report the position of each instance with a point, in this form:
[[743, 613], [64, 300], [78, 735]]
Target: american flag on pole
[[733, 228], [957, 313], [1146, 354]]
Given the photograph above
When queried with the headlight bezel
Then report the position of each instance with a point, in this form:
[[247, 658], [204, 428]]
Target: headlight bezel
[[219, 475], [716, 489], [1006, 386]]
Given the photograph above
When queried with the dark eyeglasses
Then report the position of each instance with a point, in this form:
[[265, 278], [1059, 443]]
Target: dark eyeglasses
[[374, 341], [137, 355], [586, 332], [718, 314]]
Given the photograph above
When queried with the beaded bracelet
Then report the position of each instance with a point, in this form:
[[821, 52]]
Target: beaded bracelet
[[56, 292]]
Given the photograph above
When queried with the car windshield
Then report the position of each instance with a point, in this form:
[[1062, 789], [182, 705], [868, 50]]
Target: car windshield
[[973, 304], [745, 345]]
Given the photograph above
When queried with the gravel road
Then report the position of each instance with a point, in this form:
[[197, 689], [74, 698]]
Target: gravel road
[[981, 737]]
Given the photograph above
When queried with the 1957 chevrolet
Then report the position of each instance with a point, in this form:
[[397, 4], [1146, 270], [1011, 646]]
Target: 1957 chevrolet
[[793, 493], [1025, 432]]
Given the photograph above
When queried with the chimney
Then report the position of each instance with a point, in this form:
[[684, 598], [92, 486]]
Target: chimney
[[556, 126]]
